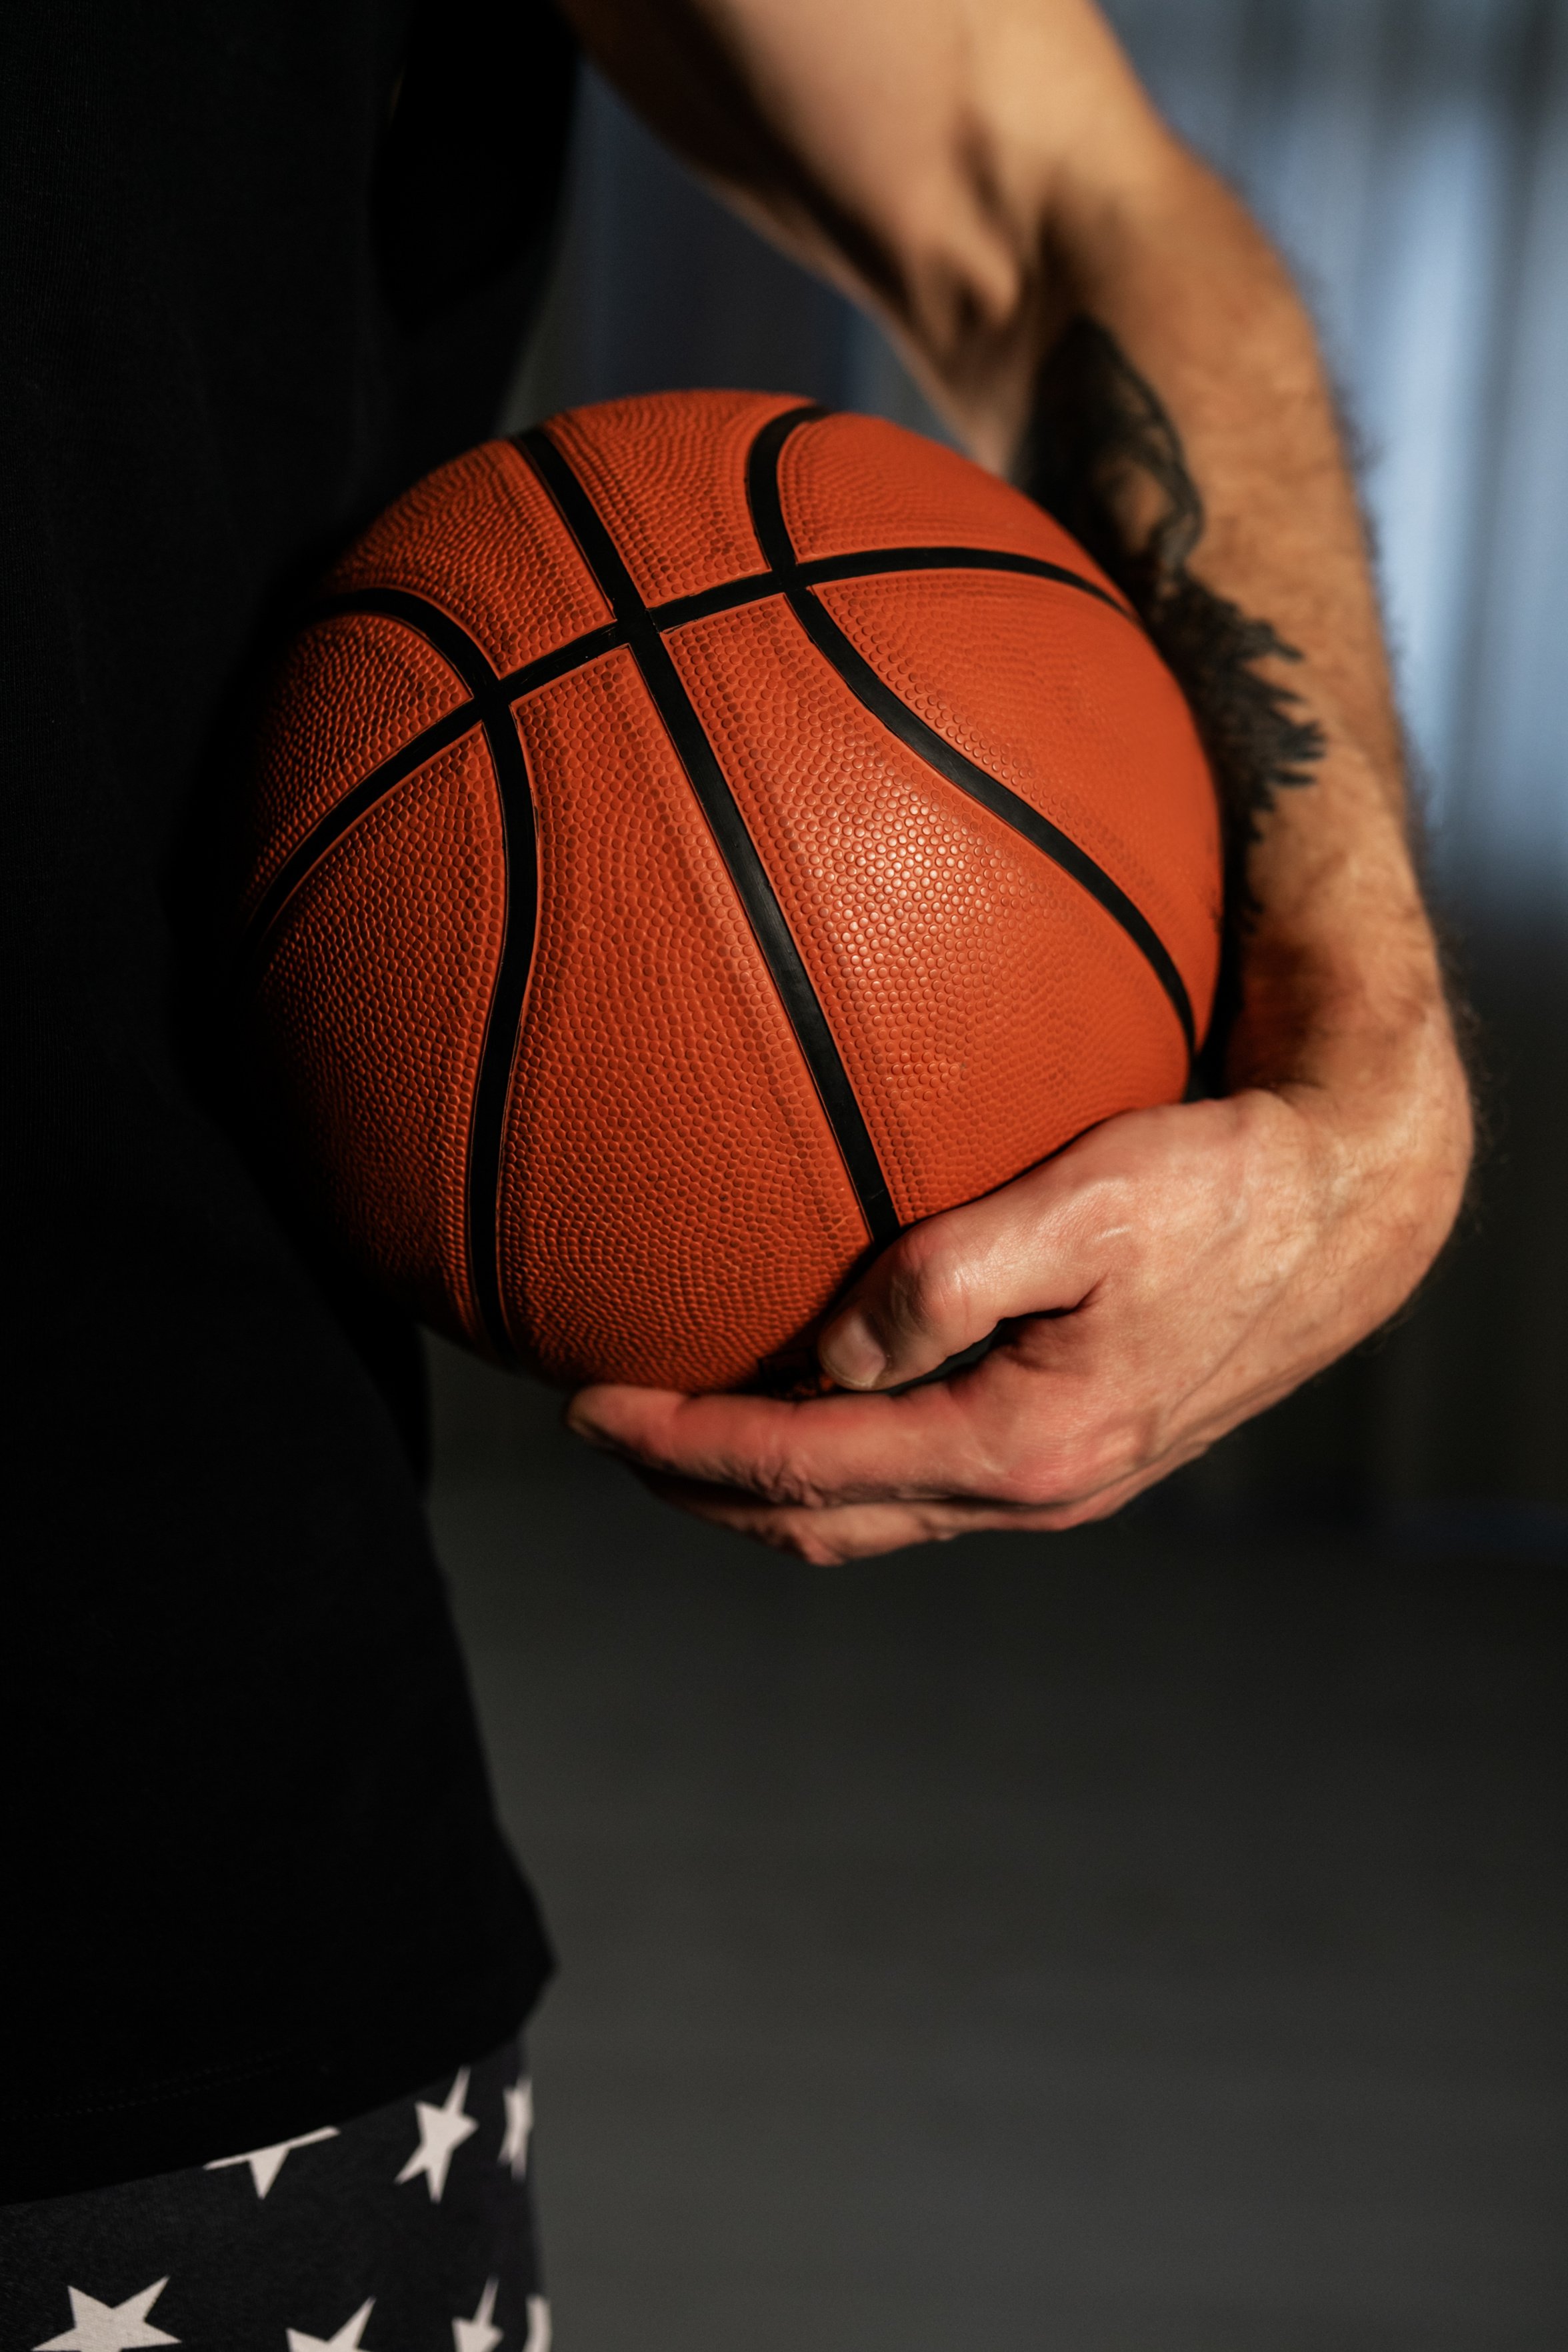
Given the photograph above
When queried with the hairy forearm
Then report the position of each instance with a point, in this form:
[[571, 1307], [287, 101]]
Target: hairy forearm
[[1228, 511], [1246, 550]]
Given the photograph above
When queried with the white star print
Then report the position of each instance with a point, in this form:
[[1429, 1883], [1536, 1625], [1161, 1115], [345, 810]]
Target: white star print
[[347, 2339], [518, 2124], [441, 2130], [267, 2163], [480, 2333], [104, 2328], [538, 2338]]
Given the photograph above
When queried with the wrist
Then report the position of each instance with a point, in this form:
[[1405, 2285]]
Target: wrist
[[1361, 1051]]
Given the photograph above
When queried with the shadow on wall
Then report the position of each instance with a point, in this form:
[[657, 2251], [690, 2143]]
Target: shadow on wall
[[1453, 1418]]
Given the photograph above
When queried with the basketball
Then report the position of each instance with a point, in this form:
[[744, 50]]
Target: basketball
[[691, 843]]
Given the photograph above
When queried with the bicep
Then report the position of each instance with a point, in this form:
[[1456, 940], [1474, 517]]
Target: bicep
[[903, 148]]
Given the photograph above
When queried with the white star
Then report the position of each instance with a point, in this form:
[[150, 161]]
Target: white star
[[480, 2333], [538, 2338], [101, 2327], [347, 2339], [518, 2124], [441, 2130], [267, 2163]]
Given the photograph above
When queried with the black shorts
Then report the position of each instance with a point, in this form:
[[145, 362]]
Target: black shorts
[[411, 2226]]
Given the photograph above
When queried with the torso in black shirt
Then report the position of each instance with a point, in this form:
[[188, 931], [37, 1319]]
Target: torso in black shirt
[[253, 1880]]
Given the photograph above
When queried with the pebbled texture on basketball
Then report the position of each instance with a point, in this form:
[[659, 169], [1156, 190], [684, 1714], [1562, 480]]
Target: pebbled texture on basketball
[[689, 843]]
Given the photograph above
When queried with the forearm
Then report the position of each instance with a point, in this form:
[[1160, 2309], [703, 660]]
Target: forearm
[[1236, 481], [1340, 999]]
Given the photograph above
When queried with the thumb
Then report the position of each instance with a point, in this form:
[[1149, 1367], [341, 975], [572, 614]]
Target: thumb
[[945, 1284]]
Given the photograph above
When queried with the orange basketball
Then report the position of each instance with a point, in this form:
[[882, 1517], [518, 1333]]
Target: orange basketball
[[691, 841]]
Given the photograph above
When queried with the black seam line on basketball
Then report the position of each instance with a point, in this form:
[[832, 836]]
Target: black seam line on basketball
[[520, 867], [729, 830], [457, 648], [345, 813], [487, 1122], [461, 653], [869, 564], [428, 744], [895, 714]]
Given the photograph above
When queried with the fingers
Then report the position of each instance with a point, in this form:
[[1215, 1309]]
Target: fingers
[[830, 1538], [832, 1449], [1121, 1277], [946, 1284], [1011, 1431]]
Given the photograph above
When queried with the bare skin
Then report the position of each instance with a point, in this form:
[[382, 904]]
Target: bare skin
[[982, 171]]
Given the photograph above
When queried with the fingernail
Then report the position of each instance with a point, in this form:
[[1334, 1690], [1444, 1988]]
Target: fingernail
[[851, 1352]]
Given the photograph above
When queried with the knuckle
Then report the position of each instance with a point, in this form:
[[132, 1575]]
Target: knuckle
[[933, 1290], [785, 1483]]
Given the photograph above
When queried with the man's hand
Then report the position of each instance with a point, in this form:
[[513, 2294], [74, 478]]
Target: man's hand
[[988, 175], [1153, 1286]]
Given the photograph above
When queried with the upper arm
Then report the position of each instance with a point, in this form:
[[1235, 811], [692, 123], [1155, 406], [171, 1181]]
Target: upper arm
[[908, 149]]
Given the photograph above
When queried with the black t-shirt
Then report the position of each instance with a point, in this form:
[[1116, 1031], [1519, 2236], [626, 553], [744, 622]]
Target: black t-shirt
[[263, 262]]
